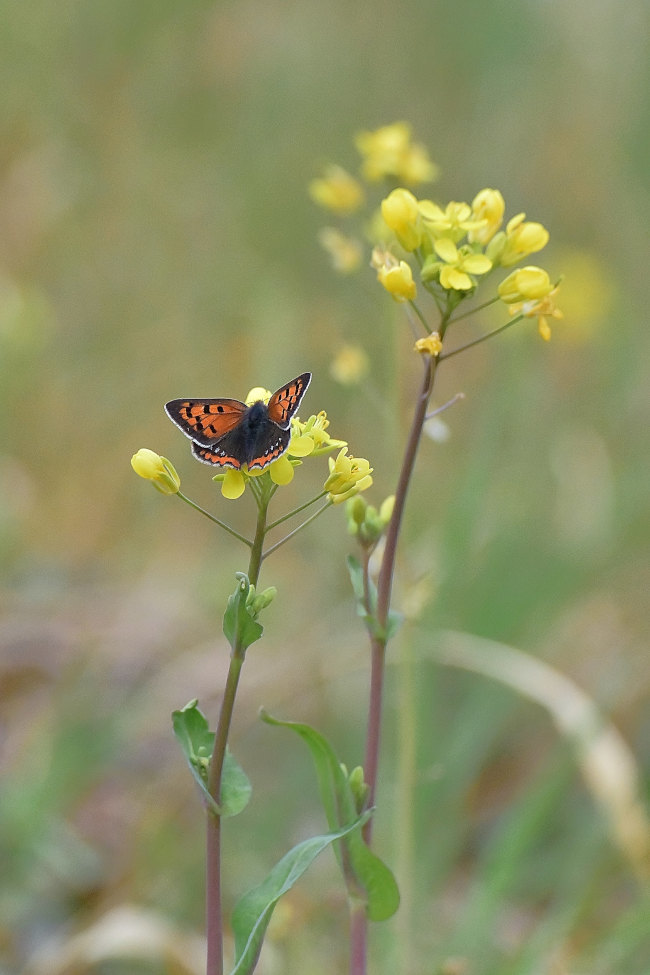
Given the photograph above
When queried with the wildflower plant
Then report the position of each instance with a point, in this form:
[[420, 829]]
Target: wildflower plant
[[432, 258]]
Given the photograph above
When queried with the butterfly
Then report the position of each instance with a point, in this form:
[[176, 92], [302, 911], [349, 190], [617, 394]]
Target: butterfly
[[227, 433]]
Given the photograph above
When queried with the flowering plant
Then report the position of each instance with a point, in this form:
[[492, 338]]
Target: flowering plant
[[419, 249]]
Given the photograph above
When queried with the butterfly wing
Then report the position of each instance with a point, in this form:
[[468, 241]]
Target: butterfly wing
[[205, 421], [265, 445], [284, 403], [217, 456]]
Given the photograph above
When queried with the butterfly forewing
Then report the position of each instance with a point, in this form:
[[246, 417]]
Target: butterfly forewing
[[205, 421], [284, 404]]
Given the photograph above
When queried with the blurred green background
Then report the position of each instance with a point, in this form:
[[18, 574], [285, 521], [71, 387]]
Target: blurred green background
[[157, 240]]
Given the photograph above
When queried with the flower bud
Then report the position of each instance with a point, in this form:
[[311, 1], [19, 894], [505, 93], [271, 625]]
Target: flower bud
[[161, 472], [525, 284], [401, 213]]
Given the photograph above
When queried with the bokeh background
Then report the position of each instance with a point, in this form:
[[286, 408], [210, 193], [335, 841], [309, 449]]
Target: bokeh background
[[157, 240]]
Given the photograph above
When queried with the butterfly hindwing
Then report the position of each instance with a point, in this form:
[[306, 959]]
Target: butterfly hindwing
[[284, 403], [205, 420]]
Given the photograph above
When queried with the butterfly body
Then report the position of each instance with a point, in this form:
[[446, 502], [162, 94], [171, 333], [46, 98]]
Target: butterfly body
[[228, 433]]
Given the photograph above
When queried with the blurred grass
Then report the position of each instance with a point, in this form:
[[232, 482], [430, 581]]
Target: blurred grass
[[156, 240]]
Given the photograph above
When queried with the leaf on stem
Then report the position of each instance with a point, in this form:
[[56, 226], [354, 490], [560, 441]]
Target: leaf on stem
[[197, 741], [367, 603], [337, 797], [239, 624], [253, 912]]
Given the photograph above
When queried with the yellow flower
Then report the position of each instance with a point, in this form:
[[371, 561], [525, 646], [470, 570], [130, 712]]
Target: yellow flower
[[258, 393], [312, 437], [457, 265], [233, 483], [431, 345], [525, 284], [521, 239], [345, 253], [350, 365], [453, 222], [388, 153], [161, 472], [400, 212], [488, 206], [337, 191], [542, 310], [281, 470], [348, 476], [396, 276]]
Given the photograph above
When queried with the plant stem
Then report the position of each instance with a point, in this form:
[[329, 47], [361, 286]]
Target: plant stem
[[216, 521], [358, 920], [213, 907], [298, 528], [385, 584], [295, 511], [358, 939], [472, 311], [482, 338]]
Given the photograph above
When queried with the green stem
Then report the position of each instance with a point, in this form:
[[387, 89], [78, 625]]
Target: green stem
[[295, 511], [421, 317], [482, 338], [216, 521], [472, 311], [214, 917], [295, 531]]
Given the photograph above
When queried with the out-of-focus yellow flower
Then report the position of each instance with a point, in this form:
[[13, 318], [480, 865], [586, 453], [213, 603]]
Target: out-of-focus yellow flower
[[345, 253], [396, 276], [453, 222], [521, 238], [525, 284], [258, 393], [458, 264], [337, 190], [431, 345], [588, 303], [388, 153], [350, 365], [542, 310], [400, 212], [348, 476], [160, 471], [488, 206]]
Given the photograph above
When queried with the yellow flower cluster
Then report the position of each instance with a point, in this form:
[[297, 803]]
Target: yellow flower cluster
[[453, 246]]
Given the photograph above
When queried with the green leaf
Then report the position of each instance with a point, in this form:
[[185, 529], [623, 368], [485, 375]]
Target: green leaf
[[375, 877], [337, 797], [394, 620], [253, 912], [193, 734], [335, 793], [239, 624], [236, 787]]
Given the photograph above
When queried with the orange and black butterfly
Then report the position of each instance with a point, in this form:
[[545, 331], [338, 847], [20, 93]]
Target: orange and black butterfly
[[227, 433]]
